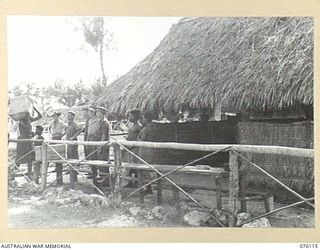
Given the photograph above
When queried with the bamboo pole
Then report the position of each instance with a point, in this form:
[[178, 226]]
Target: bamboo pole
[[233, 187], [279, 150], [44, 165], [87, 143]]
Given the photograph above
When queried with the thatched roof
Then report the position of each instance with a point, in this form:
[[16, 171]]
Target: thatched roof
[[244, 63]]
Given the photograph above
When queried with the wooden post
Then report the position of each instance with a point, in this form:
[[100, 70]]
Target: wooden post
[[72, 172], [268, 203], [218, 193], [159, 193], [44, 165], [59, 173], [243, 185], [140, 184], [117, 174], [176, 194], [233, 187], [36, 172]]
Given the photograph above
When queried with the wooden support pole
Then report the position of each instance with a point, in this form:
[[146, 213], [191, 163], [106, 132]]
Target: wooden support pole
[[44, 165], [159, 193], [268, 203], [176, 194], [233, 187], [218, 193], [242, 193], [36, 172], [140, 184], [59, 173], [71, 177], [117, 174]]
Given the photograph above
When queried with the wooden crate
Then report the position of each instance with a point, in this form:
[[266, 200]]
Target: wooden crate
[[60, 148]]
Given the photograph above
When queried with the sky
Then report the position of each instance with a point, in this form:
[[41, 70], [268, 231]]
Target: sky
[[43, 49]]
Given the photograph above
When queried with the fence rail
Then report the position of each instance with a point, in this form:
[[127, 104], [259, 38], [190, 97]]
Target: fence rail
[[234, 150], [278, 150]]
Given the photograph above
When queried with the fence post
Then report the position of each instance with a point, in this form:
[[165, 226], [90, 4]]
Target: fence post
[[44, 165], [117, 174], [233, 187], [242, 186]]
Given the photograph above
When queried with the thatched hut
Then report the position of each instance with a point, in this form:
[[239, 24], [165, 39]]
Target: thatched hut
[[237, 63], [257, 66]]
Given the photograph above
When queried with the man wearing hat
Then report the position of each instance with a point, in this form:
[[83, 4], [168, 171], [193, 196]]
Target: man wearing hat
[[103, 133], [93, 135], [57, 126], [57, 129], [71, 133], [93, 129], [85, 128]]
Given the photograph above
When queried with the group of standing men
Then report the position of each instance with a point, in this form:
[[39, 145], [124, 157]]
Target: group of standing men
[[96, 128]]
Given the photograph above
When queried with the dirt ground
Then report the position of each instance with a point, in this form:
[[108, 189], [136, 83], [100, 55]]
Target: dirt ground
[[28, 208]]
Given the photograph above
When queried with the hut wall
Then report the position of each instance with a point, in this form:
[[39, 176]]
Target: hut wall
[[296, 172], [216, 132]]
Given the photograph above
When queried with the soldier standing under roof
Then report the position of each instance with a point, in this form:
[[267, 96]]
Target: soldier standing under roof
[[57, 130]]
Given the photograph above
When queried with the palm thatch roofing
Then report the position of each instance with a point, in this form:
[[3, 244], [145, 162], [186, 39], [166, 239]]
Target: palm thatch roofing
[[243, 63]]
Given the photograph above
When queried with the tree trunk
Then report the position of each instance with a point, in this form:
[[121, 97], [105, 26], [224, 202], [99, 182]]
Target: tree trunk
[[104, 79]]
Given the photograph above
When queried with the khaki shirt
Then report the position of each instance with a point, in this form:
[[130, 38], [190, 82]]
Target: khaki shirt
[[58, 128], [93, 129], [72, 129]]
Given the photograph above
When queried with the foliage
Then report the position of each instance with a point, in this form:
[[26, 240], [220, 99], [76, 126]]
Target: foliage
[[99, 38], [69, 95]]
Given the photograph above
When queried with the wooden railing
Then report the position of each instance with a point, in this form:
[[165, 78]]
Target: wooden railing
[[234, 150]]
